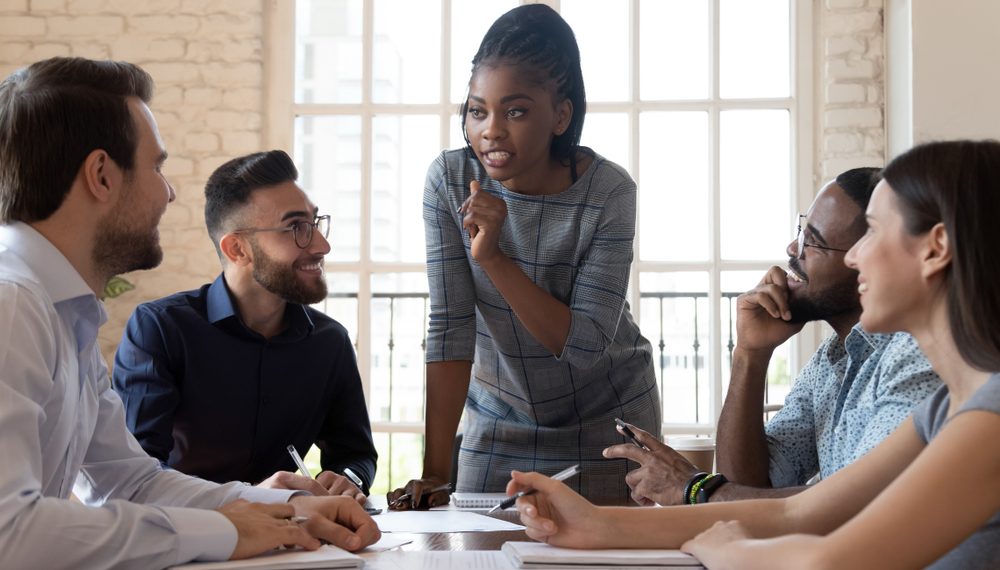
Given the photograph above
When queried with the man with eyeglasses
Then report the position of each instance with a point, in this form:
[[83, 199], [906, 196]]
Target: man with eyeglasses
[[219, 381], [851, 395]]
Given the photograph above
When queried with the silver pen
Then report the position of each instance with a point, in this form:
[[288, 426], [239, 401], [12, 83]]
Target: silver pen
[[509, 501], [298, 461]]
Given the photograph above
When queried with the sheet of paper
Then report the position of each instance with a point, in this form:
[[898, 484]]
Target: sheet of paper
[[324, 557], [440, 521], [387, 542], [439, 560], [540, 555]]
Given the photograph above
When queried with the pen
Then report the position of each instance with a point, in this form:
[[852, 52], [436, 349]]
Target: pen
[[298, 461], [509, 501], [630, 434], [405, 496]]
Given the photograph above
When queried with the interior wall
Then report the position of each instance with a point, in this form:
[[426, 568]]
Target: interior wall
[[948, 53]]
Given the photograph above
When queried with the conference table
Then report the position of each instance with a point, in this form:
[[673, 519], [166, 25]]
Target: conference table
[[457, 541]]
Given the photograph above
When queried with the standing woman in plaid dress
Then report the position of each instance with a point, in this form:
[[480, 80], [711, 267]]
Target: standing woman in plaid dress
[[529, 243]]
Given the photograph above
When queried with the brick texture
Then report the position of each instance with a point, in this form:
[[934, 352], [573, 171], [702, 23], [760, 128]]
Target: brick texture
[[850, 115], [207, 60]]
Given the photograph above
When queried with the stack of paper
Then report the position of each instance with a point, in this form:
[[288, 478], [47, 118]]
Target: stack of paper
[[540, 555], [324, 557], [477, 500]]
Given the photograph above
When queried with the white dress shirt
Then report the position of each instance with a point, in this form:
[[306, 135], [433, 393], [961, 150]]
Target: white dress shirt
[[62, 429]]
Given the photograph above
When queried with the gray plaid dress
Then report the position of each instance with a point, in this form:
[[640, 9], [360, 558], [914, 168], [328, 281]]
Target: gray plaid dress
[[527, 409]]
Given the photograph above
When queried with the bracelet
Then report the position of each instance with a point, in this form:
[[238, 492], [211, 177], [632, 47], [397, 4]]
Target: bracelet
[[708, 486], [686, 498]]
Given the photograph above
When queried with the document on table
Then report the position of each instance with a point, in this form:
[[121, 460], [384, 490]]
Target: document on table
[[387, 542], [440, 521], [541, 555], [439, 560], [324, 557]]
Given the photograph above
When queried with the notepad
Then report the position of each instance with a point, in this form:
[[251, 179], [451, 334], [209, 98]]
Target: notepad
[[477, 500], [541, 555], [324, 557]]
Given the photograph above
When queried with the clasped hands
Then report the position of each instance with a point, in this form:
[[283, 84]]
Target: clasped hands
[[260, 527]]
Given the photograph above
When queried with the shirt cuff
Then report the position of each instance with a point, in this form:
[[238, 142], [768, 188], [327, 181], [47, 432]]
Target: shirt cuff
[[202, 534], [260, 495]]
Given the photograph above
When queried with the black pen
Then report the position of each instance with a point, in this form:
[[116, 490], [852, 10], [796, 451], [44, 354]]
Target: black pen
[[630, 434], [509, 501]]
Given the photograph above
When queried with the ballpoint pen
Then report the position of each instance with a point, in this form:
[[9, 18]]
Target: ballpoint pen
[[509, 501], [298, 461], [630, 434], [350, 475]]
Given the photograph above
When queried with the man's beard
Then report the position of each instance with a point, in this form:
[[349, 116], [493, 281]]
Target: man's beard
[[282, 281], [836, 300], [119, 249]]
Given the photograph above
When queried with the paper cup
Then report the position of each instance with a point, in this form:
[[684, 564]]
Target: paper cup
[[700, 451]]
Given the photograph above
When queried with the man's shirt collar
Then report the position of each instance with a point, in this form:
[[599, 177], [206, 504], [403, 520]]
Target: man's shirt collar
[[54, 272], [220, 307]]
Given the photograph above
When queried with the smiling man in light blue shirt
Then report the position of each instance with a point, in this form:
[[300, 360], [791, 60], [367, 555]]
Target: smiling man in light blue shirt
[[856, 389], [81, 195]]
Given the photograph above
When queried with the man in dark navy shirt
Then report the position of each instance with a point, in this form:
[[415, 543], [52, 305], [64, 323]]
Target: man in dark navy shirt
[[217, 382]]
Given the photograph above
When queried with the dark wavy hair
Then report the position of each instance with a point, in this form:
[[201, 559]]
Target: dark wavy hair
[[537, 39], [958, 183], [229, 188], [53, 114]]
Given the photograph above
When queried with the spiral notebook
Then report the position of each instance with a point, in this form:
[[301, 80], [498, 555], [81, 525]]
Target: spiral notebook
[[477, 500]]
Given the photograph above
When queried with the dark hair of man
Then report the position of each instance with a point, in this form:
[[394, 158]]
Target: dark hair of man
[[535, 38], [958, 183], [858, 184], [229, 188], [53, 114]]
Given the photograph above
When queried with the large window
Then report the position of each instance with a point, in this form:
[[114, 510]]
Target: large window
[[703, 101]]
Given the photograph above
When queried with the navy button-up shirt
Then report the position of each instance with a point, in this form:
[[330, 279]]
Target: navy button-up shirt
[[210, 397]]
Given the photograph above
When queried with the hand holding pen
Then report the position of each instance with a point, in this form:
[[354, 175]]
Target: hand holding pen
[[419, 494], [509, 501], [349, 485], [552, 512]]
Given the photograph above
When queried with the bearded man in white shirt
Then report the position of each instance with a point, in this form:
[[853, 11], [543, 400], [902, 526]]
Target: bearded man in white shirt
[[81, 195]]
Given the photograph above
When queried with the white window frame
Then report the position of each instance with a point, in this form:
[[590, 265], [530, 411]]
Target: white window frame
[[281, 111]]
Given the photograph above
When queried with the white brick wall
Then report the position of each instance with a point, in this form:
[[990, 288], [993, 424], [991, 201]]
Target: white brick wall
[[207, 59], [850, 121]]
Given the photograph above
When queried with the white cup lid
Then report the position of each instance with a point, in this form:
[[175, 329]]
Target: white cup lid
[[691, 443]]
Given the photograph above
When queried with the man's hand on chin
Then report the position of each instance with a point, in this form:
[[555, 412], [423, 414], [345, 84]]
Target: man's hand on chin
[[339, 520]]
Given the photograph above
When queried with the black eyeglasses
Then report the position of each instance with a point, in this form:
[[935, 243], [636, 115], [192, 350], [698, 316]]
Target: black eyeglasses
[[800, 238], [302, 231]]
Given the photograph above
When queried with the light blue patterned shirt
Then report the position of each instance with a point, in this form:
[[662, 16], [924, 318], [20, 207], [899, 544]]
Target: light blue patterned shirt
[[848, 399]]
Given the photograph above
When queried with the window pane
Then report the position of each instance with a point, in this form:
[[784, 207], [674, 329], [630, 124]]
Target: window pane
[[673, 47], [601, 30], [328, 51], [407, 52], [341, 303], [403, 148], [398, 326], [607, 135], [754, 54], [755, 183], [400, 458], [469, 21], [673, 186], [674, 310], [328, 155], [779, 373]]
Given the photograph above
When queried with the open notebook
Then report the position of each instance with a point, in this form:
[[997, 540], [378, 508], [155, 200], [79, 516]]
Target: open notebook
[[477, 500], [324, 557], [541, 555]]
